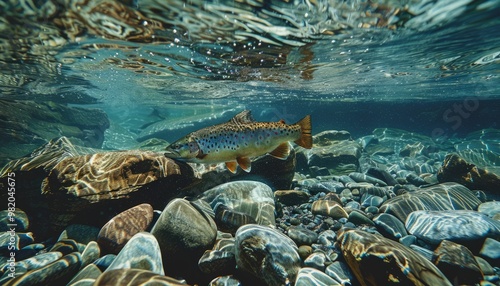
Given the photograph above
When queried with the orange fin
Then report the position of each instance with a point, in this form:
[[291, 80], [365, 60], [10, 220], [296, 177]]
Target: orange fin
[[244, 163], [305, 139], [231, 166], [282, 151]]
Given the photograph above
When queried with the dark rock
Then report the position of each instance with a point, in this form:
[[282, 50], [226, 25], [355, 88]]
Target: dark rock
[[390, 226], [118, 231], [229, 220], [228, 280], [217, 263], [357, 218], [266, 254], [412, 178], [456, 169], [135, 277], [291, 197], [445, 196], [80, 233], [104, 262], [365, 252], [90, 189], [360, 178], [302, 236], [12, 241], [65, 246], [454, 225], [458, 263], [183, 233], [382, 175]]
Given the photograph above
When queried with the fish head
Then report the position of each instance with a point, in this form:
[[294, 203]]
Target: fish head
[[183, 149]]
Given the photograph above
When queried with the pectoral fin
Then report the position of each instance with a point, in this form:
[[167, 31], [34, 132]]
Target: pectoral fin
[[244, 163], [231, 166], [282, 151]]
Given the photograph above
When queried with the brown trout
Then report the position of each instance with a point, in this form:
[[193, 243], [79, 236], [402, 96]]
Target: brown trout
[[240, 139]]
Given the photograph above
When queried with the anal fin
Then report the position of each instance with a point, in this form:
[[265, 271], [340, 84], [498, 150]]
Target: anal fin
[[282, 151], [231, 166], [244, 163]]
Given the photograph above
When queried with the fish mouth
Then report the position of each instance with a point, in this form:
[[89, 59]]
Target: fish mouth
[[171, 154]]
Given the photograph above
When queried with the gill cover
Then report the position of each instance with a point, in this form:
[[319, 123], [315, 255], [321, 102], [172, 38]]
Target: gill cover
[[185, 148]]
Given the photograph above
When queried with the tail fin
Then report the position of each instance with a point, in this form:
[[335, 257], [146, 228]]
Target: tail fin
[[305, 139]]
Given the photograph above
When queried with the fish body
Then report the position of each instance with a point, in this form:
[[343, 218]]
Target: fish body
[[240, 139]]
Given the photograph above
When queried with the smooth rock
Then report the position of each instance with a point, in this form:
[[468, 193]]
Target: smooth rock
[[456, 225], [135, 277], [121, 228], [490, 250], [217, 263], [390, 226], [360, 177], [490, 208], [229, 220], [302, 236], [141, 252], [291, 197], [340, 272], [445, 196], [382, 175], [90, 254], [11, 240], [357, 218], [327, 237], [304, 251], [252, 198], [316, 260], [266, 254], [329, 208], [313, 277], [104, 262], [183, 234], [86, 276], [458, 263], [228, 280], [393, 261], [58, 272]]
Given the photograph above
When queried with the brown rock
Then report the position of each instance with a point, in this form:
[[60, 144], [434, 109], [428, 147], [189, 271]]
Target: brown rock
[[118, 231], [458, 263], [291, 197], [328, 208], [456, 169]]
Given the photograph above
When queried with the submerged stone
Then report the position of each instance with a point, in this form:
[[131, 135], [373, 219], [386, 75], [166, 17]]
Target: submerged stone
[[266, 254], [394, 263], [454, 225], [445, 196]]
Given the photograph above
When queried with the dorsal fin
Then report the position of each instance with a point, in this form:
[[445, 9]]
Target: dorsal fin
[[242, 117]]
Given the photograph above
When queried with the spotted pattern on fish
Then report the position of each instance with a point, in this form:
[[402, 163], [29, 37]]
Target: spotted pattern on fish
[[240, 139]]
